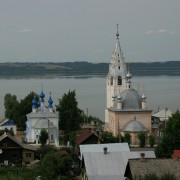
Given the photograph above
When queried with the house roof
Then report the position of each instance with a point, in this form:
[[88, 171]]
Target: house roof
[[84, 136], [24, 146], [112, 147], [7, 122], [163, 115], [176, 154], [157, 166], [108, 166]]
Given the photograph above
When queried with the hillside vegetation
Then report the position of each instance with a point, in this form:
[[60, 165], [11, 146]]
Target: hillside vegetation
[[171, 68]]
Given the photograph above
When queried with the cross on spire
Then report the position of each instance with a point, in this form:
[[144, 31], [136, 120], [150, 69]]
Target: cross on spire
[[117, 34]]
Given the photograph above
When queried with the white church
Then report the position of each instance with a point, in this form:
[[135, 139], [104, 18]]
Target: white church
[[126, 109], [42, 117]]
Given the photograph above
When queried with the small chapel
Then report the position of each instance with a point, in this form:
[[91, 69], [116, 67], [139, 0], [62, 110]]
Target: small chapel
[[42, 117], [126, 110]]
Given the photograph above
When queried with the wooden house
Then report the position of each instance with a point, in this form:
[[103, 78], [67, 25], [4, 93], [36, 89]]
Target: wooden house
[[14, 152]]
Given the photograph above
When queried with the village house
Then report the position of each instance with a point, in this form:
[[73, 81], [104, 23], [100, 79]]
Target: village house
[[14, 152]]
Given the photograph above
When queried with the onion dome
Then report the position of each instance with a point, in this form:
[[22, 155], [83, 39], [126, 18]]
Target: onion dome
[[34, 103], [134, 126], [42, 95], [119, 97], [143, 97], [128, 75], [50, 101], [114, 97]]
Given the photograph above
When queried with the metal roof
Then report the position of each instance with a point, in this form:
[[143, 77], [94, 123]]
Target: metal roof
[[134, 126], [131, 99], [112, 147], [111, 165], [163, 115]]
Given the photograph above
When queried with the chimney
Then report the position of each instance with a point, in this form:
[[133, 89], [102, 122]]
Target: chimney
[[105, 150], [142, 157]]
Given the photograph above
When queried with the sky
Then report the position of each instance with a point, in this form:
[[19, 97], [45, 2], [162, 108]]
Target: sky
[[84, 30]]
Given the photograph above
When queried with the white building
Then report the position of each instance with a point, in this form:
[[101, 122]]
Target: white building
[[42, 117], [123, 103]]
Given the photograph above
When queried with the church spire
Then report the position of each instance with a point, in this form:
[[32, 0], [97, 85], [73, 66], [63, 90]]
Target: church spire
[[118, 50]]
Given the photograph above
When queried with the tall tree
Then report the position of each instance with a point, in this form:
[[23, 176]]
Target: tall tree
[[171, 137], [25, 108], [16, 110], [11, 105], [69, 113]]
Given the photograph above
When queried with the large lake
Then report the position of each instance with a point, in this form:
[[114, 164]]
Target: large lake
[[161, 91]]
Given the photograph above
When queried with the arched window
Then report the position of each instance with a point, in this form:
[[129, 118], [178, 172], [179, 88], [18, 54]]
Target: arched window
[[119, 80], [111, 81], [119, 67]]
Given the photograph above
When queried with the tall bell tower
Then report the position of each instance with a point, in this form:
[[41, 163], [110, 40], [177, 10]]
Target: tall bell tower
[[116, 78]]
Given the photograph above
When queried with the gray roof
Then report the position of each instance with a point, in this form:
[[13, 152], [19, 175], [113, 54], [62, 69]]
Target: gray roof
[[134, 126], [42, 112], [163, 115], [109, 166], [131, 99], [157, 166], [112, 147]]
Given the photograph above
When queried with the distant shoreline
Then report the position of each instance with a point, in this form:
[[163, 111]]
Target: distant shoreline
[[75, 69]]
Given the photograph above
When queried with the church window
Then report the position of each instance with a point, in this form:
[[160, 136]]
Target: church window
[[119, 80], [119, 67], [111, 81], [52, 137]]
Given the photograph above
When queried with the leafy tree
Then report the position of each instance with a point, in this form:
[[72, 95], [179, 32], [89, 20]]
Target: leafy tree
[[16, 110], [171, 137], [43, 150], [141, 137], [54, 165], [107, 137], [25, 108], [11, 105], [151, 140], [127, 138], [69, 113], [43, 137]]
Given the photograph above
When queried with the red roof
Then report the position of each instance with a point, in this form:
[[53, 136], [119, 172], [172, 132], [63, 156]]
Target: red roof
[[176, 154], [83, 136]]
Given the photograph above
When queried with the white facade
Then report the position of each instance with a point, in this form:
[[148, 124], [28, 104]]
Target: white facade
[[42, 118]]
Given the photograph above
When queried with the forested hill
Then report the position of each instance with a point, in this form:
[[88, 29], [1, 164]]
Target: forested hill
[[170, 68]]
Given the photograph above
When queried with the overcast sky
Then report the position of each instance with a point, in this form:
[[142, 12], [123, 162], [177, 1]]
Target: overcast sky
[[84, 30]]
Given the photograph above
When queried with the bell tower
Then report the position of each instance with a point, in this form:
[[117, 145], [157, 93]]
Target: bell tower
[[116, 78]]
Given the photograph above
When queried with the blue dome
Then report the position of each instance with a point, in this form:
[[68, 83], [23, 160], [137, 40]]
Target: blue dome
[[42, 95], [50, 101], [34, 103]]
